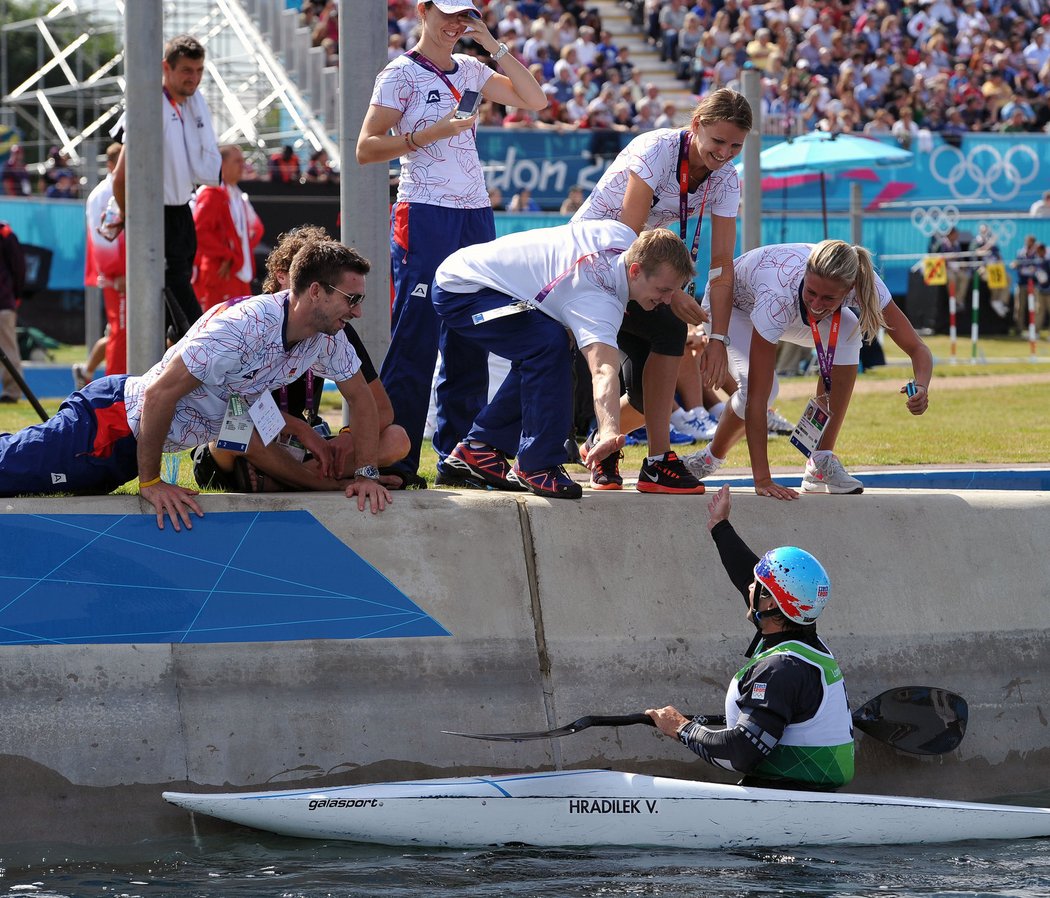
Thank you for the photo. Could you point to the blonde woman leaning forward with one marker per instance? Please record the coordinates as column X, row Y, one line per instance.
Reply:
column 803, row 293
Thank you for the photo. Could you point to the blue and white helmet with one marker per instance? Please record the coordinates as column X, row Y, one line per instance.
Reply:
column 797, row 582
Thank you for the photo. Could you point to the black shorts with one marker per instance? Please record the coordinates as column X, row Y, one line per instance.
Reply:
column 642, row 332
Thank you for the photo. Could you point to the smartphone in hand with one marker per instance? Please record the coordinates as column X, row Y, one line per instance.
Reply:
column 468, row 104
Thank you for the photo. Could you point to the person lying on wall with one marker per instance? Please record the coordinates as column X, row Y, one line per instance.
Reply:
column 214, row 383
column 788, row 722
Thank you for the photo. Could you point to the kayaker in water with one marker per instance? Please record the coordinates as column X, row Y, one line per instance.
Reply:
column 788, row 722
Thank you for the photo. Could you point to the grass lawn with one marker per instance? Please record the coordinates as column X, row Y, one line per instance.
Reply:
column 979, row 413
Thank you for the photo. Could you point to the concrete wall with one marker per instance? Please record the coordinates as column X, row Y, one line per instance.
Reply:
column 557, row 609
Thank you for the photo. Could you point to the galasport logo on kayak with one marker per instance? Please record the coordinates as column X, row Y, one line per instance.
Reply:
column 316, row 803
column 612, row 806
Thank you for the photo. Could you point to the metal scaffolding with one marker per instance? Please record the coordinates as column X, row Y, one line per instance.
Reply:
column 260, row 96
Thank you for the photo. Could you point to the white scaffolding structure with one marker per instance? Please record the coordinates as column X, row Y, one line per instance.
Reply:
column 265, row 85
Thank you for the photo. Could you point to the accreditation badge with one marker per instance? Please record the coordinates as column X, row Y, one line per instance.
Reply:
column 237, row 426
column 810, row 428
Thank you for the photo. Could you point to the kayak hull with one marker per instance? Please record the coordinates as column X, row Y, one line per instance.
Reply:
column 603, row 807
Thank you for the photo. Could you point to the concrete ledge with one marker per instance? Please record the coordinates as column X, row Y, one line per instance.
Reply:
column 556, row 609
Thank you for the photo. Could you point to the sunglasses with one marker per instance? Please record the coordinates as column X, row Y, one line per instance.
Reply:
column 353, row 300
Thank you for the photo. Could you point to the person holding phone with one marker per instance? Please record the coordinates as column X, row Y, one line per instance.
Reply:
column 419, row 114
column 803, row 293
column 661, row 179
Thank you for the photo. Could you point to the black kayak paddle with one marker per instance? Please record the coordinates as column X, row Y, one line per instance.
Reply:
column 919, row 720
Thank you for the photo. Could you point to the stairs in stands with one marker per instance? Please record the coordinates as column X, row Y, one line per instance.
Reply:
column 303, row 63
column 616, row 19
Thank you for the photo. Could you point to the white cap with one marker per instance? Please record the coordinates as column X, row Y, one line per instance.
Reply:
column 451, row 7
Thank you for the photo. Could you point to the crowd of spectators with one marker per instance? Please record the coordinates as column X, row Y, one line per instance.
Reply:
column 900, row 67
column 590, row 81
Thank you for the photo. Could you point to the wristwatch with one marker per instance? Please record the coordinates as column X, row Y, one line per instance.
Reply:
column 369, row 471
column 721, row 338
column 501, row 52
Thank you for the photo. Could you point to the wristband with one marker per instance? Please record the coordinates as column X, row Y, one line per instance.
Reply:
column 144, row 483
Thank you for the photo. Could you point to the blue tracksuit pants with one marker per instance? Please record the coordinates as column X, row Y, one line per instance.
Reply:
column 531, row 413
column 421, row 238
column 85, row 448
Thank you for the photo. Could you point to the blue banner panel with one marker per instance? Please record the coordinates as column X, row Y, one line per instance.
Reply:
column 236, row 577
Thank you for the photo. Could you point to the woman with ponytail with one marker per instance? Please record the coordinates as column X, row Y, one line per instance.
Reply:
column 826, row 296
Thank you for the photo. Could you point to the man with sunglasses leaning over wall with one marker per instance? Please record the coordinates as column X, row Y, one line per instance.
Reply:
column 788, row 722
column 215, row 382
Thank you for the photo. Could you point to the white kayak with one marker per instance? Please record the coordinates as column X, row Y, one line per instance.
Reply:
column 604, row 807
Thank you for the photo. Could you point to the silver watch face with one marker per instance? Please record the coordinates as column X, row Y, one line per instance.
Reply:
column 369, row 471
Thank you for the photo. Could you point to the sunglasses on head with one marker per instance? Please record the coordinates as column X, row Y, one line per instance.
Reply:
column 353, row 300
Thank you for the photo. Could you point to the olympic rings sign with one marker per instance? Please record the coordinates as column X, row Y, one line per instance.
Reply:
column 936, row 219
column 984, row 171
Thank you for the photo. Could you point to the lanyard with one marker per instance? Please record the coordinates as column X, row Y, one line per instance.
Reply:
column 419, row 59
column 826, row 359
column 685, row 139
column 545, row 292
column 174, row 105
column 309, row 396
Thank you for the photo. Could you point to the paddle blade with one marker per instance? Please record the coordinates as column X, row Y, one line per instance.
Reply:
column 920, row 720
column 593, row 720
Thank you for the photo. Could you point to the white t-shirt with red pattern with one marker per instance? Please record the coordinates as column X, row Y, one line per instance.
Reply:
column 653, row 156
column 574, row 273
column 446, row 172
column 238, row 347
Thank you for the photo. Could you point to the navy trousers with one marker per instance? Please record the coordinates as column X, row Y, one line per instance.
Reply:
column 421, row 238
column 531, row 413
column 87, row 448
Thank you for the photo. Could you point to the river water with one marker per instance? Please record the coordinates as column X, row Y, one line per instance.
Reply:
column 249, row 864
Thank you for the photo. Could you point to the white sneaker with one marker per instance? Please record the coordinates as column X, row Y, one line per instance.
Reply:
column 777, row 424
column 700, row 464
column 697, row 423
column 81, row 377
column 828, row 476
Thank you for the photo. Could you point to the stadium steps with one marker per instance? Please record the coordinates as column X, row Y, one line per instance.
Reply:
column 616, row 19
column 303, row 64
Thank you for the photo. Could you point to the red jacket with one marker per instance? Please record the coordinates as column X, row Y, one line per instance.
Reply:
column 12, row 268
column 218, row 242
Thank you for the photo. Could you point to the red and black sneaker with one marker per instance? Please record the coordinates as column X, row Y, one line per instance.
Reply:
column 667, row 474
column 551, row 483
column 485, row 465
column 606, row 474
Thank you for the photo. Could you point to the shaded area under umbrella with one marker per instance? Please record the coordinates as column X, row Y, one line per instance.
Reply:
column 819, row 152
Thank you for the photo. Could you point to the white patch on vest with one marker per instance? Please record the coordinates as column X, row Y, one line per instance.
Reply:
column 421, row 290
column 758, row 691
column 58, row 478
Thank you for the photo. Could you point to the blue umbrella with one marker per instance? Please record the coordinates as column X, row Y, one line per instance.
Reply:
column 829, row 150
column 824, row 151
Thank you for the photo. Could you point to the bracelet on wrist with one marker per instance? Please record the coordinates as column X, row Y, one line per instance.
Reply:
column 145, row 483
column 501, row 50
column 408, row 142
